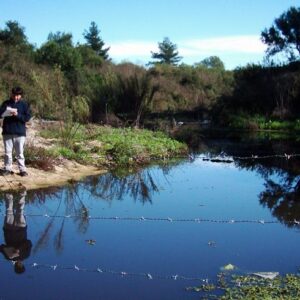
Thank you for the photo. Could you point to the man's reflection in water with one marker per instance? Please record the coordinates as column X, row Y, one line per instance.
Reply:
column 17, row 247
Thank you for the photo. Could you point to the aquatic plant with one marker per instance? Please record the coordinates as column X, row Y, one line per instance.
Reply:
column 251, row 287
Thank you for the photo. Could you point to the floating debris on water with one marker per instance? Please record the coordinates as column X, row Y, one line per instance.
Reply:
column 212, row 243
column 228, row 267
column 266, row 275
column 91, row 242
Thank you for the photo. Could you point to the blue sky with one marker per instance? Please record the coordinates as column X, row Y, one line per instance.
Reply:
column 229, row 29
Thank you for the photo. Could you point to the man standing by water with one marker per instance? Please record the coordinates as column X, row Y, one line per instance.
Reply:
column 16, row 113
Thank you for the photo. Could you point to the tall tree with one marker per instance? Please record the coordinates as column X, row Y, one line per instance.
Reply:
column 167, row 54
column 13, row 35
column 59, row 50
column 284, row 34
column 94, row 41
column 61, row 38
column 212, row 62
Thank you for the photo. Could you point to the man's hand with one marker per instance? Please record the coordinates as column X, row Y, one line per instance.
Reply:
column 14, row 113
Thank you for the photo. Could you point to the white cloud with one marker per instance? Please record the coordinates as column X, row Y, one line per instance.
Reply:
column 232, row 44
column 132, row 48
column 233, row 50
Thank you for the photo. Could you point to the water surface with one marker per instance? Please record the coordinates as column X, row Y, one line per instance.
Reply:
column 146, row 228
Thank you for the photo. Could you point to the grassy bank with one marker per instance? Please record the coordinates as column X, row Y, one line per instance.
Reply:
column 104, row 146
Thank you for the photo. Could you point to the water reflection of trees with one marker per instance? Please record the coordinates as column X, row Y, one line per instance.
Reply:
column 281, row 175
column 283, row 200
column 282, row 186
column 69, row 204
column 139, row 185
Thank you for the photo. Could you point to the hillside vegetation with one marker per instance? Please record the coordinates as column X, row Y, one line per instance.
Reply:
column 80, row 83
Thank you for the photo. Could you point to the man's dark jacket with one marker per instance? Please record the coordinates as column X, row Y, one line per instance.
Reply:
column 16, row 237
column 15, row 124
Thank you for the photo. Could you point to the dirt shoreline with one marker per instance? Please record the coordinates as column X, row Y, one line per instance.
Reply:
column 63, row 173
column 37, row 179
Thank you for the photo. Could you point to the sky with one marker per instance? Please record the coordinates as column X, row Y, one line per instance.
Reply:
column 229, row 29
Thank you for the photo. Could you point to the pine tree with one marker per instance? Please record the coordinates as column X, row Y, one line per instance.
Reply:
column 167, row 54
column 94, row 41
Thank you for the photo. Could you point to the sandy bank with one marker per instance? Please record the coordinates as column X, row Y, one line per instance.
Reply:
column 65, row 172
column 70, row 171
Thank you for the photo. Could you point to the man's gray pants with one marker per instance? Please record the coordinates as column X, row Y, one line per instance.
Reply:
column 16, row 142
column 15, row 211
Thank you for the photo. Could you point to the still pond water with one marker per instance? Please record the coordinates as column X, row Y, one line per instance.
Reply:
column 143, row 235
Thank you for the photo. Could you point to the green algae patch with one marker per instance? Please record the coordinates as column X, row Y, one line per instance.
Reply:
column 228, row 267
column 255, row 287
column 251, row 287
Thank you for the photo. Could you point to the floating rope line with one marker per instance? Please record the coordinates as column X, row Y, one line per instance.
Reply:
column 286, row 156
column 229, row 159
column 119, row 273
column 168, row 219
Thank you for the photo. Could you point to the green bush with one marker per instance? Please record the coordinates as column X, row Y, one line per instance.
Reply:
column 40, row 158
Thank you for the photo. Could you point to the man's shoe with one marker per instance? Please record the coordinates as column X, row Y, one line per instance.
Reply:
column 23, row 173
column 6, row 172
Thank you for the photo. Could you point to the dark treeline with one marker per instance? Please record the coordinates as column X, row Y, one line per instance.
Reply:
column 80, row 81
column 272, row 92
